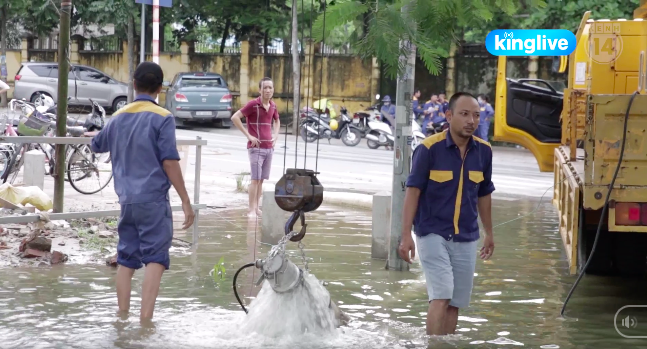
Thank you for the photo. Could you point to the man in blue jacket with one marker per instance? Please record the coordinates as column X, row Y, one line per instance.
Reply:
column 141, row 140
column 415, row 105
column 487, row 112
column 388, row 111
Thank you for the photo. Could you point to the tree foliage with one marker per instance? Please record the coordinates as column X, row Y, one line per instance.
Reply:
column 428, row 24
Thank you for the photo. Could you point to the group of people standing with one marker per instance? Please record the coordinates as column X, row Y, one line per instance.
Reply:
column 434, row 111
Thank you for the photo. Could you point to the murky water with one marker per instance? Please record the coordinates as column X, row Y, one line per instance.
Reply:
column 516, row 300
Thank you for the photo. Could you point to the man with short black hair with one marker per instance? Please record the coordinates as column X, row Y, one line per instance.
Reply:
column 449, row 187
column 262, row 131
column 145, row 162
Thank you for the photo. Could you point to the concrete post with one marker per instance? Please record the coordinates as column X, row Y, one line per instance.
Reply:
column 74, row 52
column 273, row 220
column 450, row 84
column 24, row 50
column 244, row 72
column 185, row 55
column 381, row 231
column 375, row 79
column 34, row 171
column 533, row 65
column 402, row 152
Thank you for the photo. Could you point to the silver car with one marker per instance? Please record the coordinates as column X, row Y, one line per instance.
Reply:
column 84, row 83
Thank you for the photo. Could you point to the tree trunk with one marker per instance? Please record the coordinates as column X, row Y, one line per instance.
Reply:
column 131, row 56
column 3, row 55
column 296, row 71
column 225, row 36
column 266, row 41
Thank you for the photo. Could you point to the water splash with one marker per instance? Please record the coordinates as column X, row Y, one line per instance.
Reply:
column 306, row 309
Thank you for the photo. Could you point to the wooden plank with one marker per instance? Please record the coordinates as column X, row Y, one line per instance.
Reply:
column 31, row 218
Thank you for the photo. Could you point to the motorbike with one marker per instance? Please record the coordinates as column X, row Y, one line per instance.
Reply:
column 363, row 117
column 315, row 126
column 436, row 127
column 381, row 135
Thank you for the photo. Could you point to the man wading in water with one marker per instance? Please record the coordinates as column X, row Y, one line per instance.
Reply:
column 261, row 135
column 141, row 140
column 450, row 185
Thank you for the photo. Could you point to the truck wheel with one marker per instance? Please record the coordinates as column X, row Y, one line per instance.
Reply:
column 630, row 253
column 602, row 262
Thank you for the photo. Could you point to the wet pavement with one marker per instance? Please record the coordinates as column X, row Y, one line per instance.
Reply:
column 516, row 299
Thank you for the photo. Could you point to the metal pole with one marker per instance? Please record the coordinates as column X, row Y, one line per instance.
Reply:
column 196, row 191
column 3, row 55
column 142, row 41
column 61, row 120
column 401, row 153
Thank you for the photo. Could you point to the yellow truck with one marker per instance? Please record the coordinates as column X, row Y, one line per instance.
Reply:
column 579, row 133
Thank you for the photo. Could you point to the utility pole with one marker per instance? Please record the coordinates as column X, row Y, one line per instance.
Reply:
column 402, row 151
column 3, row 55
column 61, row 118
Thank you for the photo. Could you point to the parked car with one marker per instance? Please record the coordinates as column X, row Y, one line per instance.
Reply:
column 84, row 83
column 199, row 97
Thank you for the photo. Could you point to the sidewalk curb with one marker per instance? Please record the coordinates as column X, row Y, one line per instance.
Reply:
column 344, row 199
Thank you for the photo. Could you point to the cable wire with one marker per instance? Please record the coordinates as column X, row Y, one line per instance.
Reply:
column 606, row 204
column 323, row 44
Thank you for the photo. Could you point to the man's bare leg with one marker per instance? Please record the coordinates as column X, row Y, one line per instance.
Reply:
column 259, row 192
column 253, row 197
column 436, row 317
column 451, row 319
column 150, row 289
column 124, row 278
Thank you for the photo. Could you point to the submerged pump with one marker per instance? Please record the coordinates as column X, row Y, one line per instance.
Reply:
column 282, row 275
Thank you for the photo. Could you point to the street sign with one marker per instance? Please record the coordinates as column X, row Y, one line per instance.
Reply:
column 163, row 3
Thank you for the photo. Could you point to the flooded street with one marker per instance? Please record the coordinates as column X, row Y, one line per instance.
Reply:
column 516, row 300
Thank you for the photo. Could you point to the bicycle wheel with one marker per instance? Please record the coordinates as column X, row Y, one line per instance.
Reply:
column 87, row 172
column 13, row 168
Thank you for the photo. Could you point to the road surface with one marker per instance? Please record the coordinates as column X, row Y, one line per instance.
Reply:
column 351, row 169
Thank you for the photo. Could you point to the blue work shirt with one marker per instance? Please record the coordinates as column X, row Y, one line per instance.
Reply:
column 444, row 106
column 450, row 186
column 435, row 114
column 486, row 113
column 139, row 137
column 390, row 110
column 417, row 108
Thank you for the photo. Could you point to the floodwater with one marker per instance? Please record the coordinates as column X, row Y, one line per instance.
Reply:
column 516, row 299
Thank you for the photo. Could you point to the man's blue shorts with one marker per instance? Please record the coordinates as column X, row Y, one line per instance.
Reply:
column 145, row 234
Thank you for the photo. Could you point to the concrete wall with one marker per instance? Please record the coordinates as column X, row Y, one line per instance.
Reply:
column 346, row 78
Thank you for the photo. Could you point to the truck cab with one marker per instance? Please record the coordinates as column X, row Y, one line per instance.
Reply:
column 578, row 134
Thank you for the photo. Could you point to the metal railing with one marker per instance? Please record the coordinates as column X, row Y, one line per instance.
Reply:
column 29, row 218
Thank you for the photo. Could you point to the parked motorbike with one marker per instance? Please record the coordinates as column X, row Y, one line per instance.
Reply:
column 417, row 135
column 315, row 126
column 363, row 117
column 380, row 135
column 436, row 127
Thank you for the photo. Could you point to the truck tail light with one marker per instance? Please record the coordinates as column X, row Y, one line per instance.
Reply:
column 630, row 213
column 180, row 98
column 226, row 98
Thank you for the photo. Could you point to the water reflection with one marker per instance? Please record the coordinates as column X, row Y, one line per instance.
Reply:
column 516, row 300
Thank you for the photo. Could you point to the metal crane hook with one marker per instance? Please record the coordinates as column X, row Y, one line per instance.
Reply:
column 289, row 225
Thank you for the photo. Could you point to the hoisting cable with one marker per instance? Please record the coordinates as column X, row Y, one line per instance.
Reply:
column 235, row 288
column 321, row 49
column 310, row 62
column 298, row 129
column 606, row 203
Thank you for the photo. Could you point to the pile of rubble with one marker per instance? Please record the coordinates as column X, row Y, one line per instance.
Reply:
column 55, row 242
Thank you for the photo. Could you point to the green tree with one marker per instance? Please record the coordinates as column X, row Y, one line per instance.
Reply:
column 431, row 25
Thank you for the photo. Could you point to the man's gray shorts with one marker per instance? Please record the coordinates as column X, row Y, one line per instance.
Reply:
column 260, row 162
column 449, row 268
